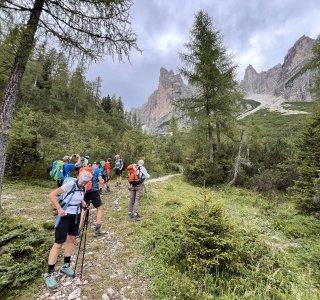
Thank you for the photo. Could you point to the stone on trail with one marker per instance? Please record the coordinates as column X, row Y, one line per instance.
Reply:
column 75, row 294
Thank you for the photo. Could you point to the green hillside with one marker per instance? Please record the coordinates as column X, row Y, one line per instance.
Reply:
column 273, row 124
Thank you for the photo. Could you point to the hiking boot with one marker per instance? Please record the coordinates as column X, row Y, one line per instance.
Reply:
column 66, row 269
column 97, row 231
column 137, row 217
column 130, row 215
column 50, row 281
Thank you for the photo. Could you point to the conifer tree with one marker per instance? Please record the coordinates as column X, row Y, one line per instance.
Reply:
column 308, row 184
column 209, row 67
column 88, row 29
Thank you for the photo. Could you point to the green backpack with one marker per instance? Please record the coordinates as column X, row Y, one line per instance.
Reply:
column 56, row 172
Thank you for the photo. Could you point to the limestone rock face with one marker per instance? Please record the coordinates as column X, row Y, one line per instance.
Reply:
column 155, row 115
column 291, row 80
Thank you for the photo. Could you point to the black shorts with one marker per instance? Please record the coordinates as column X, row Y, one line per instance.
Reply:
column 67, row 226
column 104, row 177
column 94, row 197
column 118, row 172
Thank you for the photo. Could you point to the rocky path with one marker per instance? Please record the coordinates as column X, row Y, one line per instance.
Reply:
column 109, row 259
column 270, row 102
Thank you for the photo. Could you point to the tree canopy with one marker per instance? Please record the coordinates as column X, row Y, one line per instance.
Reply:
column 210, row 68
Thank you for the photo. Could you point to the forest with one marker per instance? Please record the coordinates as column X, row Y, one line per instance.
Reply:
column 265, row 166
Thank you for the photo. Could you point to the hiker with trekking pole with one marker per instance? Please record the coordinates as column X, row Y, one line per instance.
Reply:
column 67, row 224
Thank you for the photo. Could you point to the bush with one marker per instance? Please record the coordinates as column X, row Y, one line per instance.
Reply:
column 208, row 242
column 23, row 255
column 207, row 173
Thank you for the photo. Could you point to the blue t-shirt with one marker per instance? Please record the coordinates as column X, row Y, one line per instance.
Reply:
column 95, row 179
column 118, row 163
column 67, row 169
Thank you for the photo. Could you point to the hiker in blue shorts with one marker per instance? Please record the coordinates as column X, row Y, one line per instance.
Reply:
column 67, row 224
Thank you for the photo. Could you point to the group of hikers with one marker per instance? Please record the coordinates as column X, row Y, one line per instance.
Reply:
column 74, row 195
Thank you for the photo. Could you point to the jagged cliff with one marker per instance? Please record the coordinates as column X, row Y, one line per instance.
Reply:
column 156, row 113
column 291, row 80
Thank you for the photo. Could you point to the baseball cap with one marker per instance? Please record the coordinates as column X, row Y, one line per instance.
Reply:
column 65, row 158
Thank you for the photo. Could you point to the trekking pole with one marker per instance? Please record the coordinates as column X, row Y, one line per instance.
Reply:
column 85, row 240
column 84, row 228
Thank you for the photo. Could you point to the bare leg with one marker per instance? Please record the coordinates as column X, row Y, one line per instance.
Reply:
column 54, row 252
column 69, row 245
column 99, row 214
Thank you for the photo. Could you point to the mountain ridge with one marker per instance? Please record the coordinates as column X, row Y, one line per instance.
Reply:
column 290, row 81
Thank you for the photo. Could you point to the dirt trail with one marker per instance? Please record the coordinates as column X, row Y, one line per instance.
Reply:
column 109, row 259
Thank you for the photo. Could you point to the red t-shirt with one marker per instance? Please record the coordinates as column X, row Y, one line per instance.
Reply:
column 107, row 167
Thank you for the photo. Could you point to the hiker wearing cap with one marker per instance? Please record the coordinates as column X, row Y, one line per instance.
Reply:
column 68, row 166
column 136, row 190
column 67, row 227
column 93, row 195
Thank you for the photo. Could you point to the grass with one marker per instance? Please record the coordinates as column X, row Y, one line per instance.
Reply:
column 276, row 125
column 288, row 262
column 127, row 261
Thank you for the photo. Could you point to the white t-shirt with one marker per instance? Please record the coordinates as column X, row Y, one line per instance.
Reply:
column 77, row 197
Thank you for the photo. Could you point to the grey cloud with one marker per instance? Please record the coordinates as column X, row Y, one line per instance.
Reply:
column 255, row 30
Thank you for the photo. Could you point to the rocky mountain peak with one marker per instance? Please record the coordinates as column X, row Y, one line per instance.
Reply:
column 159, row 107
column 290, row 80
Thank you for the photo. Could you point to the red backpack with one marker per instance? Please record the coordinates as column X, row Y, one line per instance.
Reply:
column 89, row 184
column 134, row 174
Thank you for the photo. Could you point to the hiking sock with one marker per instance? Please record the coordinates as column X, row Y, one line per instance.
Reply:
column 67, row 259
column 51, row 269
column 98, row 226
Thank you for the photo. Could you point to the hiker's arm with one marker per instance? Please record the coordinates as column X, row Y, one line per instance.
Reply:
column 144, row 172
column 78, row 163
column 101, row 181
column 53, row 198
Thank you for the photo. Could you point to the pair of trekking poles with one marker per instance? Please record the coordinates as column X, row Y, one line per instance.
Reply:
column 83, row 240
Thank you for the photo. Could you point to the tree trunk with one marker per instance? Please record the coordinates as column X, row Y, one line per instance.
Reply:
column 237, row 163
column 218, row 136
column 12, row 86
column 210, row 130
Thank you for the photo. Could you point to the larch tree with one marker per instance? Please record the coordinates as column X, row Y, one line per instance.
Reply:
column 307, row 186
column 210, row 68
column 84, row 29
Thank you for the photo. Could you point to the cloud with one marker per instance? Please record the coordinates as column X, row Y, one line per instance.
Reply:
column 257, row 32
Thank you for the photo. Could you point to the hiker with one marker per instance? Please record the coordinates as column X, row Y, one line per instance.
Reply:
column 94, row 196
column 67, row 227
column 118, row 168
column 68, row 166
column 136, row 188
column 107, row 167
column 104, row 177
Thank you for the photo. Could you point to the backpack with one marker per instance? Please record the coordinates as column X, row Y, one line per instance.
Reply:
column 63, row 196
column 56, row 172
column 134, row 174
column 89, row 184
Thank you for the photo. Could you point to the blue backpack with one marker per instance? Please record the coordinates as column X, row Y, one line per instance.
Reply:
column 56, row 172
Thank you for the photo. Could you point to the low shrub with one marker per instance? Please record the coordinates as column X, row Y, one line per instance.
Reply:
column 23, row 255
column 206, row 173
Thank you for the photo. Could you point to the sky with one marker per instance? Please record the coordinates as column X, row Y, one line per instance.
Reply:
column 258, row 32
